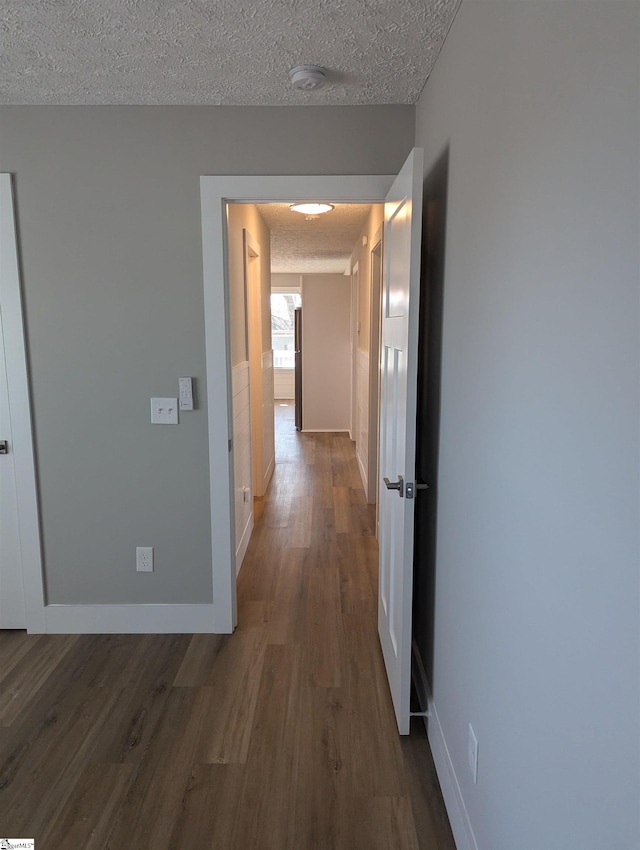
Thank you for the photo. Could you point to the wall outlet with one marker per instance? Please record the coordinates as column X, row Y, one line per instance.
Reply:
column 144, row 559
column 473, row 754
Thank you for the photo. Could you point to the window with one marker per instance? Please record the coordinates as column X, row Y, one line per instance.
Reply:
column 283, row 305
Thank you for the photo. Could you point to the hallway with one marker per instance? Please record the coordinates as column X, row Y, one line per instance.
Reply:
column 279, row 737
column 325, row 765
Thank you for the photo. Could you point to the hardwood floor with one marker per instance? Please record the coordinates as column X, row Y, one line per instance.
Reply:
column 280, row 736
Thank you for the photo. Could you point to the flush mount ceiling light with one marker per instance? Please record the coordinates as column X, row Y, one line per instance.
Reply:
column 311, row 209
column 308, row 77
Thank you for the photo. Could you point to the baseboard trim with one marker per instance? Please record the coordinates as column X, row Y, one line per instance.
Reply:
column 128, row 619
column 456, row 809
column 325, row 431
column 453, row 800
column 241, row 551
column 363, row 472
column 267, row 476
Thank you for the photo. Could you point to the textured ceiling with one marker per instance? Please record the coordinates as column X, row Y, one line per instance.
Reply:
column 324, row 244
column 217, row 51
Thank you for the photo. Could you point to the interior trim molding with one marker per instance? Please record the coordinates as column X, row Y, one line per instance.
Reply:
column 268, row 473
column 244, row 543
column 326, row 431
column 129, row 619
column 456, row 809
column 453, row 800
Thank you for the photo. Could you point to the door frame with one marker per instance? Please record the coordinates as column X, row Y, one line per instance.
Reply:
column 215, row 193
column 253, row 336
column 376, row 262
column 355, row 283
column 20, row 412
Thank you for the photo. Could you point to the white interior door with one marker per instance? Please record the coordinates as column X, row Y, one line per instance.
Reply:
column 12, row 610
column 399, row 350
column 21, row 586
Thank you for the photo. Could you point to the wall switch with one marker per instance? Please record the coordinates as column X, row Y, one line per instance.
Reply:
column 164, row 411
column 473, row 754
column 185, row 391
column 144, row 559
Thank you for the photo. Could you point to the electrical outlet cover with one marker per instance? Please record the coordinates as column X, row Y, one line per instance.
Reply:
column 144, row 559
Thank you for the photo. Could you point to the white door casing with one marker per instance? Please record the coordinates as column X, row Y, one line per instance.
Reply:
column 20, row 527
column 398, row 396
column 355, row 274
column 215, row 193
column 375, row 265
column 253, row 331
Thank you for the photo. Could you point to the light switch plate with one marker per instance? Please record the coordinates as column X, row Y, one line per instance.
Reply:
column 164, row 411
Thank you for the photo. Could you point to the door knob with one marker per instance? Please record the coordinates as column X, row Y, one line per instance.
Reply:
column 395, row 485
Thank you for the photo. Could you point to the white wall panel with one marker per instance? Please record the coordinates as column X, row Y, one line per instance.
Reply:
column 284, row 383
column 326, row 358
column 536, row 588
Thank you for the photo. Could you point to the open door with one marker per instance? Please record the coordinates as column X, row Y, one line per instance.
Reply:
column 21, row 588
column 398, row 395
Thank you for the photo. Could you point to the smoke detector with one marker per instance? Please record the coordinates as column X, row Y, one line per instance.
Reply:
column 308, row 77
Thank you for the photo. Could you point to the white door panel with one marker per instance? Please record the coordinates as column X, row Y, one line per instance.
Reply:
column 21, row 590
column 400, row 302
column 12, row 610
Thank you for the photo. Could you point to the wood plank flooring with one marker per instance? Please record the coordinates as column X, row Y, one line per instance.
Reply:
column 279, row 737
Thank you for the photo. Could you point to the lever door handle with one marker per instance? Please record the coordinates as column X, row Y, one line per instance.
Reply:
column 412, row 487
column 4, row 447
column 395, row 485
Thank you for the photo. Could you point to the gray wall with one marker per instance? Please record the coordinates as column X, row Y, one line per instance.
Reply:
column 109, row 225
column 537, row 621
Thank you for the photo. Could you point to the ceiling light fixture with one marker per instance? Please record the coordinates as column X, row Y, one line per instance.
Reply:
column 311, row 209
column 308, row 77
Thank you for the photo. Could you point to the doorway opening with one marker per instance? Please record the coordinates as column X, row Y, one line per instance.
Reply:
column 304, row 332
column 218, row 194
column 402, row 197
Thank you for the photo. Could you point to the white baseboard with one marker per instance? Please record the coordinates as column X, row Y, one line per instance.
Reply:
column 363, row 473
column 241, row 551
column 456, row 809
column 268, row 473
column 325, row 431
column 453, row 801
column 128, row 619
